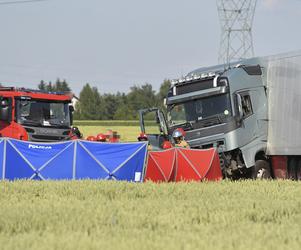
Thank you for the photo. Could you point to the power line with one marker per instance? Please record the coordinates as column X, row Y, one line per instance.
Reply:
column 20, row 2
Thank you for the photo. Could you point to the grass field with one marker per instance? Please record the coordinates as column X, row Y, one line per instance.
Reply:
column 112, row 123
column 111, row 215
column 127, row 133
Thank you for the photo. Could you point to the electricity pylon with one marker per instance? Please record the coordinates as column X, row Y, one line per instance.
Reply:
column 236, row 19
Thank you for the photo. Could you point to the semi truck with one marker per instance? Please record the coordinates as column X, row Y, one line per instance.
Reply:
column 249, row 110
column 34, row 115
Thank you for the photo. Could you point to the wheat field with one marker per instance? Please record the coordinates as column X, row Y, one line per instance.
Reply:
column 119, row 215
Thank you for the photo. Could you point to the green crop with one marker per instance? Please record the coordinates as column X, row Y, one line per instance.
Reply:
column 119, row 215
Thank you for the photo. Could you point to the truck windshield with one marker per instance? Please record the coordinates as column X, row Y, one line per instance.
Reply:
column 43, row 113
column 200, row 109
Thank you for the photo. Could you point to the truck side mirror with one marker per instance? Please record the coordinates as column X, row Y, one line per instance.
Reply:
column 5, row 110
column 239, row 106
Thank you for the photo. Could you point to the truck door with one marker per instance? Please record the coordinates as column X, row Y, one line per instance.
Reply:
column 253, row 115
column 157, row 132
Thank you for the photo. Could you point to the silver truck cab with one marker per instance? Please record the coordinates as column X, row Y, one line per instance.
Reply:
column 220, row 107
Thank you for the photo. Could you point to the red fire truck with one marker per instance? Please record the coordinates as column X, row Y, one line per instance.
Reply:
column 34, row 115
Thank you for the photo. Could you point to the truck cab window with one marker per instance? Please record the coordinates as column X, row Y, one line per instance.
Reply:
column 177, row 115
column 246, row 105
column 198, row 110
column 43, row 113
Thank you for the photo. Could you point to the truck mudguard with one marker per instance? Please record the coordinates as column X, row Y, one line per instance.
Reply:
column 250, row 150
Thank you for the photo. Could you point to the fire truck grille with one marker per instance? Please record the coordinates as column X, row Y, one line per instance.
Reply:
column 47, row 138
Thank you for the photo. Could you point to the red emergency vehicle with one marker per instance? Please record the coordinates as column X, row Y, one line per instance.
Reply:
column 35, row 115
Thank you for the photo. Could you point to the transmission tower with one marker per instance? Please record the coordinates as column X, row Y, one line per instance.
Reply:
column 236, row 19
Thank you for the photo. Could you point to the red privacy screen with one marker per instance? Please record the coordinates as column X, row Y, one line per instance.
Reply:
column 179, row 164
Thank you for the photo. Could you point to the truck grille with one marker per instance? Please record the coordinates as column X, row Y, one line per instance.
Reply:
column 47, row 138
column 42, row 134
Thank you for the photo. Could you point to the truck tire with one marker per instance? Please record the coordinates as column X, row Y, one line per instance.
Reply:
column 261, row 170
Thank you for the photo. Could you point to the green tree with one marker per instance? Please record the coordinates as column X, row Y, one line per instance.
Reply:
column 59, row 86
column 110, row 105
column 65, row 86
column 123, row 111
column 42, row 85
column 141, row 97
column 89, row 103
column 119, row 106
column 49, row 87
column 164, row 88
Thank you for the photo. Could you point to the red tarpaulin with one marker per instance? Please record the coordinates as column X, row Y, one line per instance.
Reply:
column 160, row 165
column 179, row 164
column 197, row 165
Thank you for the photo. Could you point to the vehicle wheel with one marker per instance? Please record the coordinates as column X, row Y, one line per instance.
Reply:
column 261, row 170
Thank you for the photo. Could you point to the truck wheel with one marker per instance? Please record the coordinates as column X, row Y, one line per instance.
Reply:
column 261, row 170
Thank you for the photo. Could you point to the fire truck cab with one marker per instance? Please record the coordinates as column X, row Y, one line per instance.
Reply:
column 35, row 115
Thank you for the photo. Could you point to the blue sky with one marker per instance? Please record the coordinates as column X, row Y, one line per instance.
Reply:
column 115, row 44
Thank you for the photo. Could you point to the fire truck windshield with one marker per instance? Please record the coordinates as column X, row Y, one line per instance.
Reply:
column 42, row 113
column 200, row 109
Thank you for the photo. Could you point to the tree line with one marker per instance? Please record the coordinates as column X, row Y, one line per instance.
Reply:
column 58, row 86
column 93, row 105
